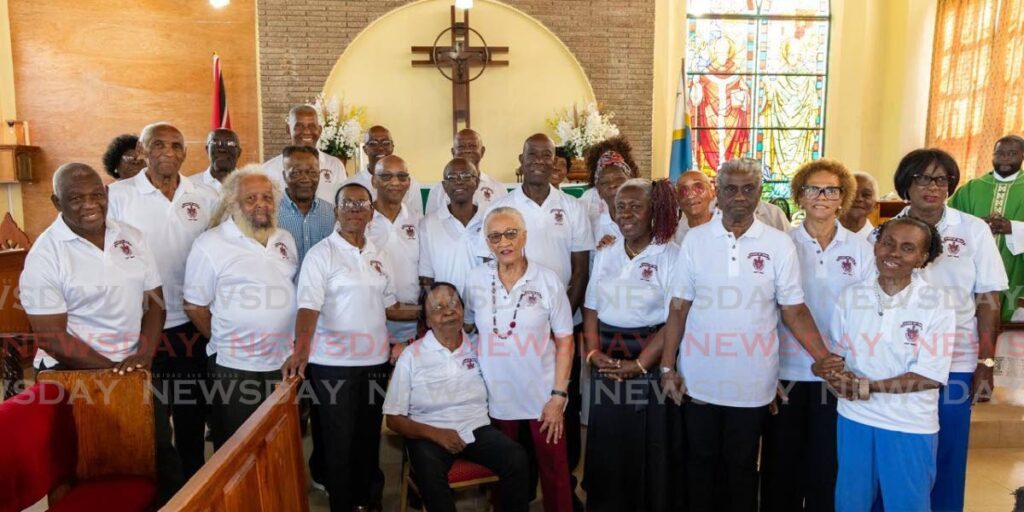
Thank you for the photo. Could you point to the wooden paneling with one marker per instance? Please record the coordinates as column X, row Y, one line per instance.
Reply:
column 260, row 468
column 114, row 419
column 88, row 70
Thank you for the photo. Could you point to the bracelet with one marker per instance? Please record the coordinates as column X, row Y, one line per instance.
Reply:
column 641, row 366
column 558, row 392
column 591, row 354
column 863, row 389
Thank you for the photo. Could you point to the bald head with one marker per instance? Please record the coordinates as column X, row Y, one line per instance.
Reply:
column 377, row 144
column 691, row 176
column 469, row 145
column 390, row 163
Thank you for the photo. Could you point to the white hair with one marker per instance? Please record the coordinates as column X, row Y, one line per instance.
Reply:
column 229, row 192
column 64, row 173
column 147, row 132
column 505, row 210
column 302, row 109
column 738, row 166
column 869, row 178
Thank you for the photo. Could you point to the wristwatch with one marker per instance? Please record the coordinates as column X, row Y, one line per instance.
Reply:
column 988, row 362
column 666, row 369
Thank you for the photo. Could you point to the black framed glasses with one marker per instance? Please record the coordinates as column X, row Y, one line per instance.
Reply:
column 461, row 176
column 814, row 191
column 923, row 180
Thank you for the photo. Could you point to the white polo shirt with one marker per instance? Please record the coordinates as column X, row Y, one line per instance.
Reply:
column 519, row 371
column 332, row 174
column 632, row 293
column 604, row 225
column 865, row 232
column 969, row 264
column 401, row 241
column 168, row 226
column 557, row 228
column 250, row 293
column 439, row 387
column 206, row 178
column 906, row 338
column 824, row 273
column 101, row 291
column 488, row 191
column 350, row 288
column 729, row 353
column 449, row 249
column 592, row 203
column 413, row 199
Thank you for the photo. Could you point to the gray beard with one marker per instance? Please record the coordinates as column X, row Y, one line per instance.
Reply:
column 260, row 234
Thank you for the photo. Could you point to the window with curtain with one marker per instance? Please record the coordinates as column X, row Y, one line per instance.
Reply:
column 756, row 72
column 977, row 82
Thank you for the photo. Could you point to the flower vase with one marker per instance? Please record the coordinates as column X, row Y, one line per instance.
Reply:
column 578, row 170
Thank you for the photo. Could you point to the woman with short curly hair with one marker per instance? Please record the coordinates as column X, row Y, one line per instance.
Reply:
column 121, row 160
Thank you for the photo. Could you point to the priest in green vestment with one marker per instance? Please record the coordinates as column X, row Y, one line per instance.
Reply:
column 998, row 198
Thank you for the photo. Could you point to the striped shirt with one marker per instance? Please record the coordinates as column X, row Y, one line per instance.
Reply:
column 307, row 229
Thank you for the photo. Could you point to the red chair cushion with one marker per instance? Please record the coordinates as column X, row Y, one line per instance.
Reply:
column 464, row 471
column 112, row 494
column 38, row 444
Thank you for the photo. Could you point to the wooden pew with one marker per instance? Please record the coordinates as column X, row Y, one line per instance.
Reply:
column 260, row 468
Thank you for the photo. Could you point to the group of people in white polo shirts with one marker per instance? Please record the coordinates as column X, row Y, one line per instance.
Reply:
column 726, row 363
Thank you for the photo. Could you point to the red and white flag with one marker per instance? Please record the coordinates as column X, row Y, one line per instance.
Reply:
column 220, row 118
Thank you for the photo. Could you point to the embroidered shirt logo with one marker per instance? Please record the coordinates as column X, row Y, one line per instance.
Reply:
column 126, row 248
column 410, row 231
column 847, row 263
column 487, row 192
column 912, row 332
column 191, row 210
column 469, row 363
column 282, row 248
column 532, row 298
column 647, row 271
column 559, row 215
column 954, row 245
column 758, row 259
column 378, row 266
column 325, row 174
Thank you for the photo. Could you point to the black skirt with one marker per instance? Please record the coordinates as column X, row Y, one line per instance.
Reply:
column 634, row 436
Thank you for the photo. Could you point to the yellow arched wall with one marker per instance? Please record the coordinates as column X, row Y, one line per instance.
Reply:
column 507, row 104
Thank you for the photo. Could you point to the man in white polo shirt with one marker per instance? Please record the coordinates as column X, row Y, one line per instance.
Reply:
column 239, row 290
column 563, row 246
column 734, row 277
column 377, row 144
column 92, row 293
column 223, row 149
column 171, row 211
column 451, row 243
column 468, row 144
column 304, row 129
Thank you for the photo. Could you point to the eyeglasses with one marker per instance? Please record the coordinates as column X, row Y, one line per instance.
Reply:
column 309, row 173
column 696, row 189
column 461, row 176
column 348, row 205
column 452, row 304
column 509, row 234
column 814, row 192
column 378, row 143
column 222, row 144
column 387, row 176
column 732, row 190
column 923, row 180
column 130, row 157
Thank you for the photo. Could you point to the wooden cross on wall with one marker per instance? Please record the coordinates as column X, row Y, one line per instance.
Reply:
column 461, row 56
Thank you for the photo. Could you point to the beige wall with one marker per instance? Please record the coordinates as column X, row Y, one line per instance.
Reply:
column 879, row 69
column 10, row 194
column 86, row 71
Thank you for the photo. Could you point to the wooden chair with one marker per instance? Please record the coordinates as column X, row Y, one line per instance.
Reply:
column 82, row 439
column 260, row 468
column 462, row 475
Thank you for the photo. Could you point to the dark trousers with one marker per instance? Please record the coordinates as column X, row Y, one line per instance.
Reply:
column 169, row 478
column 236, row 396
column 491, row 449
column 798, row 454
column 722, row 442
column 179, row 367
column 349, row 401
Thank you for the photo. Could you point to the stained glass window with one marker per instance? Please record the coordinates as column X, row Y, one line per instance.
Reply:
column 756, row 75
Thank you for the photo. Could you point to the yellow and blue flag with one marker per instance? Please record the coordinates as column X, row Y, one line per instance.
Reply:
column 682, row 139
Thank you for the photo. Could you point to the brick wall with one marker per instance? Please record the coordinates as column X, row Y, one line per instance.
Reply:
column 300, row 41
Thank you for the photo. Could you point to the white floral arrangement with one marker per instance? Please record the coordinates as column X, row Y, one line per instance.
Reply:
column 577, row 130
column 342, row 127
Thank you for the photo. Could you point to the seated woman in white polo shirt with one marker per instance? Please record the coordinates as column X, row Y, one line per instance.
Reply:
column 345, row 294
column 516, row 305
column 437, row 399
column 893, row 331
column 629, row 440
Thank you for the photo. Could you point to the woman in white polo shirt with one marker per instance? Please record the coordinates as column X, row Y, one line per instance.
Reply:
column 516, row 305
column 971, row 271
column 345, row 295
column 892, row 331
column 628, row 464
column 798, row 453
column 437, row 400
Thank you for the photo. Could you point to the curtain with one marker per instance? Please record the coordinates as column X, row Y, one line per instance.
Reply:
column 977, row 82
